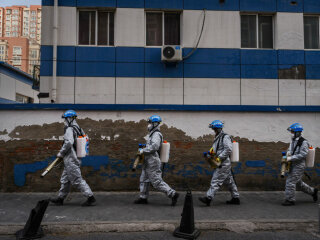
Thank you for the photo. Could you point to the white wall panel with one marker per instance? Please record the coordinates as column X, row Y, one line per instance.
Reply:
column 292, row 92
column 47, row 25
column 312, row 91
column 99, row 90
column 259, row 91
column 45, row 84
column 221, row 29
column 67, row 32
column 130, row 27
column 289, row 31
column 164, row 91
column 212, row 91
column 23, row 88
column 7, row 87
column 129, row 90
column 65, row 89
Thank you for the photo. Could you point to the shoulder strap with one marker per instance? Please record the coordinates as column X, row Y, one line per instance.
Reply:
column 299, row 143
column 221, row 138
column 160, row 142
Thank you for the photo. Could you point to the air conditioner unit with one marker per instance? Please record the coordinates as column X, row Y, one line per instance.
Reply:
column 171, row 53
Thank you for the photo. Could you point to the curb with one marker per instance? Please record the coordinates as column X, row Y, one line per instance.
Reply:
column 238, row 226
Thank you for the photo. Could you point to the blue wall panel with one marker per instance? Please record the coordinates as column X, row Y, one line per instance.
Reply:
column 96, row 3
column 313, row 71
column 130, row 3
column 211, row 71
column 46, row 60
column 95, row 69
column 66, row 69
column 291, row 57
column 165, row 4
column 46, row 68
column 228, row 5
column 259, row 57
column 213, row 55
column 312, row 57
column 162, row 70
column 312, row 6
column 258, row 5
column 287, row 6
column 66, row 53
column 46, row 53
column 259, row 71
column 153, row 55
column 95, row 54
column 65, row 3
column 129, row 54
column 130, row 70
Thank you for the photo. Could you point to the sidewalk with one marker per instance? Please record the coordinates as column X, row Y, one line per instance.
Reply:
column 259, row 211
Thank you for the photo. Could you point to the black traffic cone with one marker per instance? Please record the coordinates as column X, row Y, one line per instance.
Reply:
column 187, row 229
column 32, row 229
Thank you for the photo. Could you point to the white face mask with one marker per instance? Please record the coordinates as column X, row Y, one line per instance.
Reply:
column 213, row 133
column 292, row 135
column 150, row 126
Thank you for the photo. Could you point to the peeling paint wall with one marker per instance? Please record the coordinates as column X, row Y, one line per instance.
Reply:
column 29, row 140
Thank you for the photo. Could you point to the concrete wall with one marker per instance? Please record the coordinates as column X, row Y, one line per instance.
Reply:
column 29, row 140
column 219, row 72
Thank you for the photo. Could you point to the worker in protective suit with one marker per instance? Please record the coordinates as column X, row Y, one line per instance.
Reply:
column 222, row 146
column 71, row 173
column 151, row 169
column 296, row 155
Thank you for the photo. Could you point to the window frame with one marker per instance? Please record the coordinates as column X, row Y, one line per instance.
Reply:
column 257, row 29
column 311, row 49
column 96, row 26
column 163, row 26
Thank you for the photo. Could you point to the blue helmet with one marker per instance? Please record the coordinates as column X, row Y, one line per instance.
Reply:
column 154, row 118
column 216, row 124
column 296, row 127
column 69, row 114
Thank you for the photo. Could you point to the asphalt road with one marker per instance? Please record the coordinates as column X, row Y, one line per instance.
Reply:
column 209, row 235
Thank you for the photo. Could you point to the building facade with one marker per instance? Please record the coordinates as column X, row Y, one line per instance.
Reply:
column 251, row 52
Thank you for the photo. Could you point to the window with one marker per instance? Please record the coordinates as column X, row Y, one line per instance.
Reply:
column 311, row 32
column 162, row 27
column 9, row 11
column 15, row 17
column 16, row 60
column 14, row 23
column 33, row 24
column 33, row 30
column 23, row 99
column 33, row 54
column 256, row 31
column 7, row 34
column 14, row 34
column 32, row 35
column 8, row 17
column 2, row 50
column 15, row 11
column 17, row 50
column 96, row 28
column 33, row 18
column 8, row 28
column 33, row 13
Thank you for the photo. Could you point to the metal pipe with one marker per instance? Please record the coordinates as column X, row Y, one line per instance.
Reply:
column 54, row 60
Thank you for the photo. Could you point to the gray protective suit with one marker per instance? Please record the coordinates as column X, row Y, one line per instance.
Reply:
column 151, row 169
column 298, row 165
column 71, row 174
column 223, row 173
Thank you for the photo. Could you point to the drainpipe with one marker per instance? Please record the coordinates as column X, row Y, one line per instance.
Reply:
column 55, row 43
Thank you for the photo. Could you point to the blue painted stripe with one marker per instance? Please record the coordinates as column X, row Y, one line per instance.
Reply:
column 66, row 69
column 213, row 56
column 130, row 3
column 96, row 3
column 312, row 57
column 46, row 52
column 153, row 55
column 313, row 71
column 156, row 107
column 257, row 163
column 162, row 70
column 130, row 54
column 66, row 53
column 95, row 54
column 211, row 71
column 164, row 4
column 259, row 57
column 6, row 101
column 130, row 70
column 312, row 6
column 291, row 57
column 228, row 5
column 46, row 68
column 287, row 6
column 258, row 5
column 259, row 71
column 95, row 69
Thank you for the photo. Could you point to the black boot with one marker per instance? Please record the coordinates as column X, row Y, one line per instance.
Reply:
column 57, row 201
column 205, row 200
column 174, row 199
column 141, row 201
column 90, row 202
column 315, row 195
column 287, row 203
column 235, row 201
